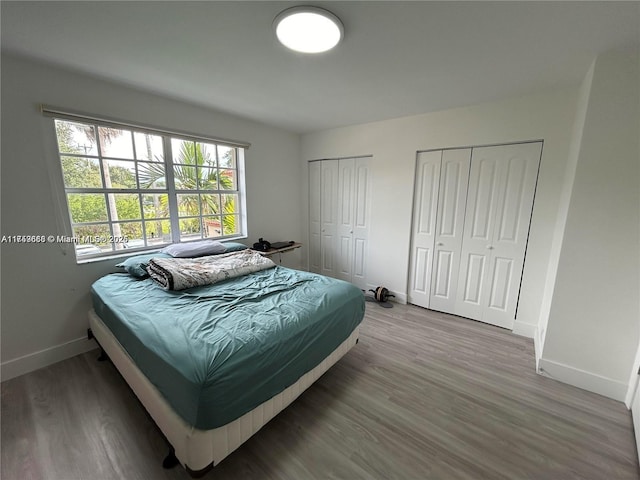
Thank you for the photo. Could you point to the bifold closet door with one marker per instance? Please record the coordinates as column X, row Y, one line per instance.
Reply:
column 452, row 194
column 499, row 203
column 346, row 201
column 339, row 217
column 425, row 205
column 329, row 217
column 315, row 219
column 439, row 203
column 353, row 220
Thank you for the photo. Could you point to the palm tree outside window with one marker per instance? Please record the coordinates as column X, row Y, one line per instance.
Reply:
column 137, row 190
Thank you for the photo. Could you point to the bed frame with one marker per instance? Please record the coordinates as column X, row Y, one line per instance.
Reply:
column 200, row 450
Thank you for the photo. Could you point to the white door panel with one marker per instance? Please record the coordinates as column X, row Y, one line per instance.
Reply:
column 345, row 221
column 360, row 251
column 472, row 285
column 315, row 186
column 519, row 174
column 421, row 265
column 501, row 190
column 476, row 247
column 339, row 217
column 471, row 216
column 482, row 198
column 509, row 218
column 425, row 205
column 454, row 180
column 361, row 217
column 442, row 277
column 502, row 271
column 362, row 194
column 329, row 214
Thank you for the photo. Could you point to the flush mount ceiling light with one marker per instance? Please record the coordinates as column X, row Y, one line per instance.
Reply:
column 308, row 29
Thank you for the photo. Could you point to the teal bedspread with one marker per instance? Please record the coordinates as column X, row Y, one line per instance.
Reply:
column 218, row 351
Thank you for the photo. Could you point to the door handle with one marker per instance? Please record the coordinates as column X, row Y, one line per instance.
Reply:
column 439, row 244
column 490, row 247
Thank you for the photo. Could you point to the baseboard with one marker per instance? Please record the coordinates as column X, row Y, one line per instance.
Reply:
column 43, row 358
column 400, row 298
column 525, row 329
column 582, row 379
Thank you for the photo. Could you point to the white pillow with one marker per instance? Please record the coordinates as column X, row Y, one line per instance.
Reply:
column 194, row 249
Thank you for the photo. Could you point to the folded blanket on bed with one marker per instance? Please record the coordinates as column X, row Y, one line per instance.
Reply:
column 181, row 273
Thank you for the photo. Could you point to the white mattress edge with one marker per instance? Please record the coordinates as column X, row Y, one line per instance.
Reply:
column 194, row 448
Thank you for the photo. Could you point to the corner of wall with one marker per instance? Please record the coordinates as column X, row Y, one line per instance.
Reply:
column 609, row 91
column 563, row 209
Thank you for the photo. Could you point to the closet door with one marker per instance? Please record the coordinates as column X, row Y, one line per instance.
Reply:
column 353, row 219
column 329, row 217
column 361, row 220
column 346, row 202
column 499, row 204
column 454, row 179
column 339, row 218
column 315, row 220
column 425, row 204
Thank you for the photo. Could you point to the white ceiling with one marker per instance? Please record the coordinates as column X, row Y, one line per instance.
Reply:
column 397, row 59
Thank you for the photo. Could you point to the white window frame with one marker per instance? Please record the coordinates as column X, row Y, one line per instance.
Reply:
column 61, row 189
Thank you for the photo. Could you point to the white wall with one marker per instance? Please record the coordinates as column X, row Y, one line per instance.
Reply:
column 45, row 294
column 563, row 210
column 593, row 327
column 393, row 144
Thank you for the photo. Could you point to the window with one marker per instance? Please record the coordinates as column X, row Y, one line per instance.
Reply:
column 129, row 188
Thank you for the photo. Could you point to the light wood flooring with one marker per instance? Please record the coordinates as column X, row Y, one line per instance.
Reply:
column 422, row 396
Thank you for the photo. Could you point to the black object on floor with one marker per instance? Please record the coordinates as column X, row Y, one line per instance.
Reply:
column 380, row 296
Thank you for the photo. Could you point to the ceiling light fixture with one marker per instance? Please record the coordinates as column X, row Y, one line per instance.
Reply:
column 308, row 29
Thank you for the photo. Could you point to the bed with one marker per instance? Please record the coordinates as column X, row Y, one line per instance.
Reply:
column 214, row 363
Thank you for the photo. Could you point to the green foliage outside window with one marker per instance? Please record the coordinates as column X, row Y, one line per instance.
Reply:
column 201, row 174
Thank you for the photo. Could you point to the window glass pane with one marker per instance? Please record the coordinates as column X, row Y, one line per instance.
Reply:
column 148, row 147
column 93, row 239
column 189, row 229
column 185, row 178
column 87, row 207
column 230, row 203
column 133, row 233
column 226, row 157
column 230, row 224
column 188, row 205
column 119, row 174
column 152, row 175
column 77, row 138
column 80, row 172
column 207, row 154
column 207, row 178
column 182, row 151
column 158, row 232
column 115, row 142
column 210, row 204
column 228, row 180
column 155, row 206
column 127, row 206
column 213, row 226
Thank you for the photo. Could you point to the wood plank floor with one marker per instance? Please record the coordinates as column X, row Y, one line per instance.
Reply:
column 423, row 395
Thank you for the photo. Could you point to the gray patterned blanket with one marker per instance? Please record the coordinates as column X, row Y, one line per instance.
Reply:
column 181, row 273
